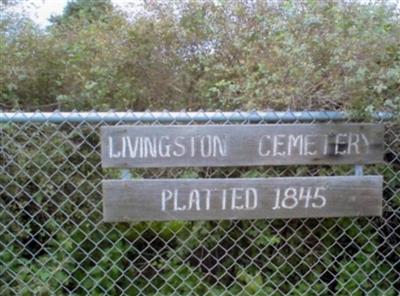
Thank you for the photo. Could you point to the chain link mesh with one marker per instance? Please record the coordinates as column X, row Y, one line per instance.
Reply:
column 53, row 240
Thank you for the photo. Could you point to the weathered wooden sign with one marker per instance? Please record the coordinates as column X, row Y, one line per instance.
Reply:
column 214, row 199
column 238, row 145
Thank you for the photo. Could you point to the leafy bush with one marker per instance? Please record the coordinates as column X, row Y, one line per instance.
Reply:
column 239, row 54
column 54, row 240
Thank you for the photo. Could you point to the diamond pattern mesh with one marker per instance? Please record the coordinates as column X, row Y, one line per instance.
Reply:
column 53, row 240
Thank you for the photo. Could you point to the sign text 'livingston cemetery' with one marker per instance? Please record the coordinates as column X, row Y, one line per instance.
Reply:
column 237, row 145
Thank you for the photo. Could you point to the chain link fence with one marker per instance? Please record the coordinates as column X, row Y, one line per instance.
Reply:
column 53, row 240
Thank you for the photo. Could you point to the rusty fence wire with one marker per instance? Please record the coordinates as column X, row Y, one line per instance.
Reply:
column 53, row 240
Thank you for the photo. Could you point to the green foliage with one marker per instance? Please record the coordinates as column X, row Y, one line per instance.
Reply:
column 361, row 273
column 208, row 54
column 84, row 10
column 54, row 240
column 205, row 54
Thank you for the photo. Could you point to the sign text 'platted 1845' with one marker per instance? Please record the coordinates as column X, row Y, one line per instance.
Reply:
column 214, row 199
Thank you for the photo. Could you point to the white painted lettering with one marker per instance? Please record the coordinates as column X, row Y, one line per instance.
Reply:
column 339, row 144
column 366, row 142
column 176, row 206
column 224, row 199
column 251, row 199
column 235, row 198
column 192, row 150
column 194, row 198
column 132, row 150
column 150, row 147
column 354, row 139
column 318, row 196
column 326, row 142
column 208, row 195
column 307, row 197
column 164, row 149
column 141, row 147
column 123, row 148
column 277, row 199
column 111, row 152
column 219, row 146
column 290, row 195
column 295, row 142
column 262, row 150
column 180, row 146
column 278, row 144
column 309, row 145
column 206, row 141
column 165, row 196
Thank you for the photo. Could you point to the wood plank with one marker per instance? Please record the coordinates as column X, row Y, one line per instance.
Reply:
column 241, row 145
column 216, row 199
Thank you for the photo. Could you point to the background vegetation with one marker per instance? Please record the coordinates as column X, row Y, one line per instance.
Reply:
column 335, row 55
column 189, row 54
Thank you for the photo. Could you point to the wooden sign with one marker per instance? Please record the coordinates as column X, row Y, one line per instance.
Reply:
column 241, row 145
column 215, row 199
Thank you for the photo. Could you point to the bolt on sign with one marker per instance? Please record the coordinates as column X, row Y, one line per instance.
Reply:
column 218, row 145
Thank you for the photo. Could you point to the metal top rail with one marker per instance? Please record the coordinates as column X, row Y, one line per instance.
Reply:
column 184, row 117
